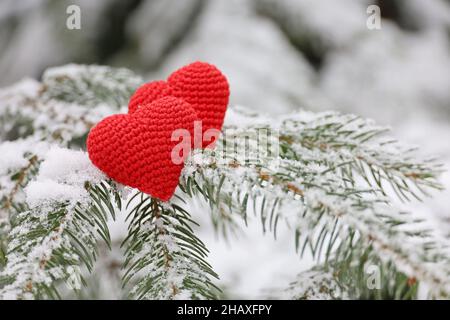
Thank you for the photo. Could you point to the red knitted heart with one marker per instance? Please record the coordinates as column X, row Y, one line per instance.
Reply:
column 136, row 149
column 148, row 93
column 199, row 83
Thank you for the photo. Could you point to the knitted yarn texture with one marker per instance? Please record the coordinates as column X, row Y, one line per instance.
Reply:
column 135, row 149
column 200, row 84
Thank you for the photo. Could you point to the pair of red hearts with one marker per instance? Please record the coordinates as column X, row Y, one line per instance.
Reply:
column 135, row 148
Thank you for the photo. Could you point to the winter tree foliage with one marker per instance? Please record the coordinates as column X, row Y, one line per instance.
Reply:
column 329, row 180
column 279, row 56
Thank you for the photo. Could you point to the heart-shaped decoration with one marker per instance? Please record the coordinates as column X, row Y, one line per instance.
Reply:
column 200, row 84
column 147, row 93
column 137, row 149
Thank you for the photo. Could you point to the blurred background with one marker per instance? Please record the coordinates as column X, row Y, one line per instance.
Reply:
column 279, row 56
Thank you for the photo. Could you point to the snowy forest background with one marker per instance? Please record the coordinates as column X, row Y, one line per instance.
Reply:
column 278, row 55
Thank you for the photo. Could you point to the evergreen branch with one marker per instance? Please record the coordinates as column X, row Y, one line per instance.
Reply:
column 4, row 230
column 10, row 205
column 16, row 122
column 21, row 160
column 89, row 85
column 369, row 277
column 20, row 179
column 68, row 102
column 164, row 258
column 330, row 213
column 58, row 235
column 315, row 284
column 366, row 277
column 351, row 146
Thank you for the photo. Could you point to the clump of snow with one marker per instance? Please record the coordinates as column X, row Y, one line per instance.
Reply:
column 69, row 166
column 13, row 154
column 61, row 180
column 68, row 70
column 26, row 87
column 48, row 191
column 62, row 177
column 241, row 116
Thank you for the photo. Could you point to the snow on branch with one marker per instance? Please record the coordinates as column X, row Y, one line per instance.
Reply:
column 318, row 186
column 90, row 85
column 354, row 145
column 316, row 284
column 69, row 206
column 364, row 278
column 69, row 101
column 18, row 165
column 63, row 177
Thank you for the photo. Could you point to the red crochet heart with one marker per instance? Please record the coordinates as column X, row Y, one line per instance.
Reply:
column 148, row 93
column 136, row 149
column 200, row 84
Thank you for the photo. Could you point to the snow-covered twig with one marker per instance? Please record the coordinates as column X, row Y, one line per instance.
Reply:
column 60, row 231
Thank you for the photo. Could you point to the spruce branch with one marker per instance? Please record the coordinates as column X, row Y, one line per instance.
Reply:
column 330, row 211
column 365, row 278
column 315, row 284
column 4, row 230
column 20, row 179
column 359, row 275
column 164, row 258
column 9, row 202
column 59, row 234
column 89, row 85
column 69, row 101
column 20, row 164
column 355, row 147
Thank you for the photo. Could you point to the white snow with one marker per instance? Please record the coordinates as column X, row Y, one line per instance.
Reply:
column 62, row 176
column 26, row 87
column 70, row 167
column 14, row 157
column 48, row 191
